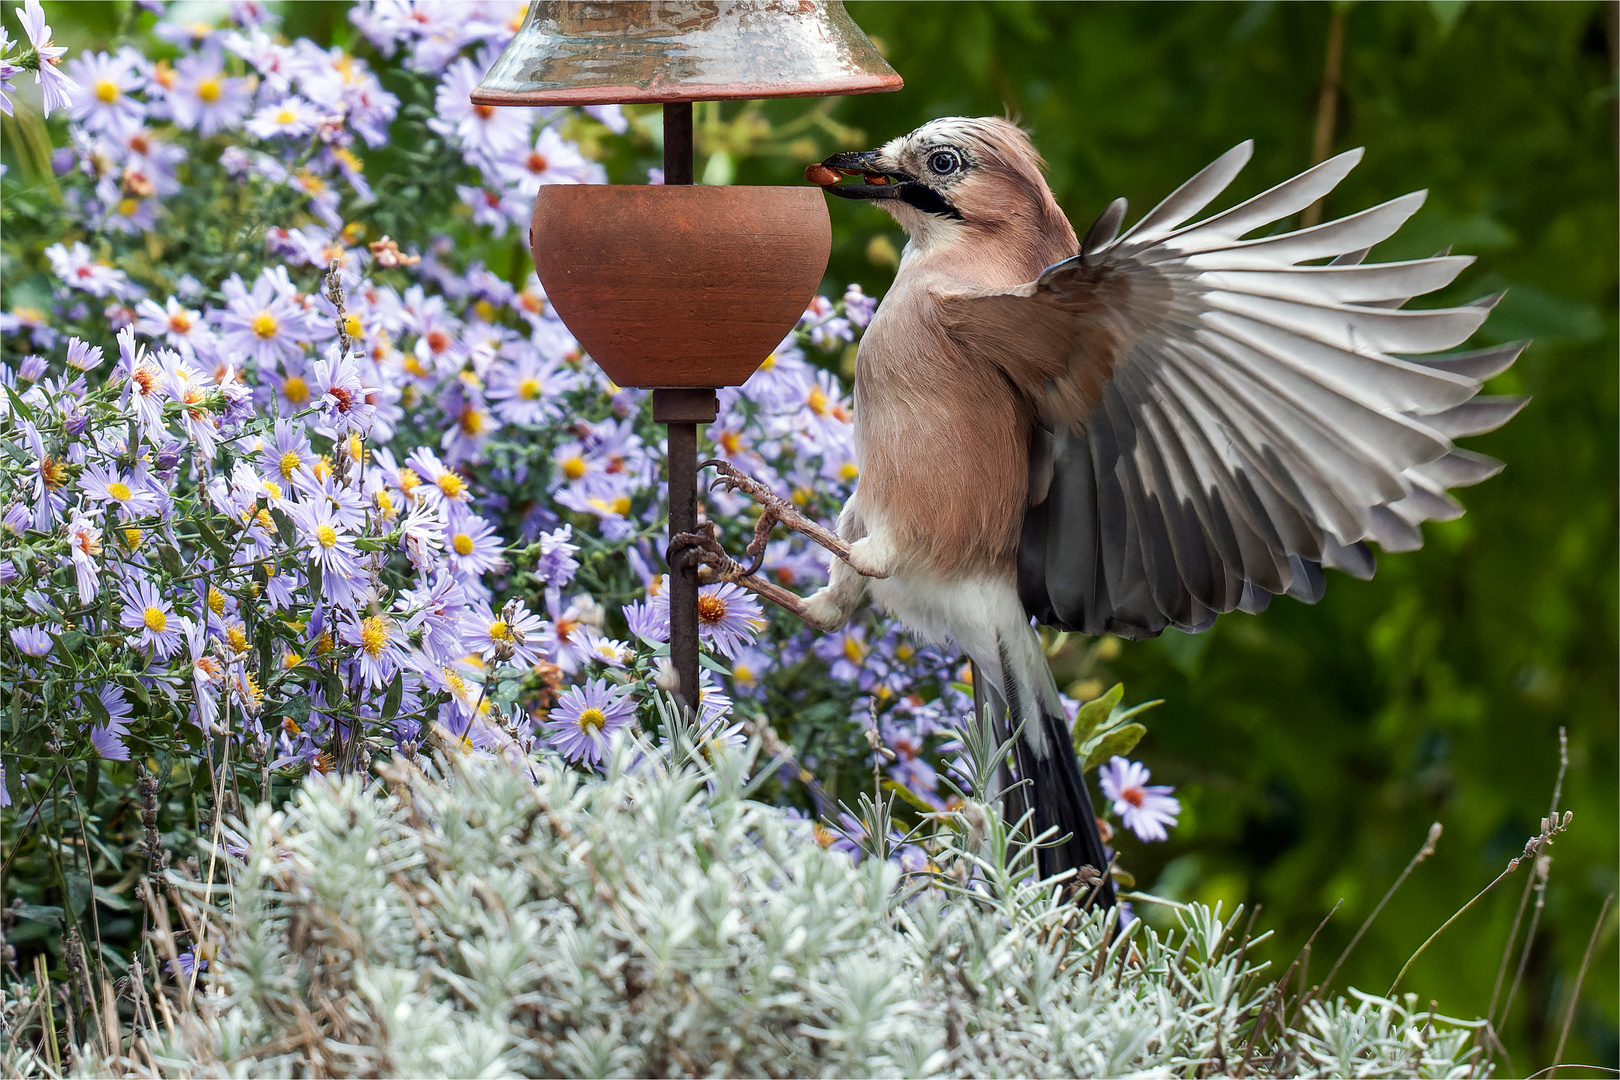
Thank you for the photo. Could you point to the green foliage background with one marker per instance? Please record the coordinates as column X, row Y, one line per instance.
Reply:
column 1313, row 746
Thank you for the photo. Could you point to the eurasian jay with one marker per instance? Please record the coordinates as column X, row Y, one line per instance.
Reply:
column 1131, row 432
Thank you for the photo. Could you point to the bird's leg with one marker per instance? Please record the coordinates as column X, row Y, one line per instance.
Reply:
column 775, row 509
column 703, row 547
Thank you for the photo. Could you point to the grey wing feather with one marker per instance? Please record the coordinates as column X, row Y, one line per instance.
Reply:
column 1221, row 419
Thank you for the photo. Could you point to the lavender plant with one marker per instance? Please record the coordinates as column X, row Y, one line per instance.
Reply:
column 472, row 916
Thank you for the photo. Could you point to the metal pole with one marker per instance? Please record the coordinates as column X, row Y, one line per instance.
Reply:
column 682, row 410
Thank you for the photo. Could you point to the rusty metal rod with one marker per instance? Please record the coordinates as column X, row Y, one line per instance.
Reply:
column 673, row 407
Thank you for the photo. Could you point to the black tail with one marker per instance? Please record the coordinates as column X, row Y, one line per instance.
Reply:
column 1057, row 788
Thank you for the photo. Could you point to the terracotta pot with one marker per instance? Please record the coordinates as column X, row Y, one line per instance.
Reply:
column 680, row 285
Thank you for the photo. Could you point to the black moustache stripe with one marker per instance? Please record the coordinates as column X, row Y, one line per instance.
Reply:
column 928, row 201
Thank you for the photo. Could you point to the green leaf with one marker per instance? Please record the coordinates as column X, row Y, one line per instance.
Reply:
column 209, row 537
column 284, row 526
column 111, row 899
column 49, row 914
column 78, row 889
column 314, row 575
column 22, row 407
column 907, row 795
column 69, row 643
column 133, row 685
column 170, row 558
column 1093, row 713
column 296, row 707
column 396, row 690
column 1125, row 714
column 1120, row 740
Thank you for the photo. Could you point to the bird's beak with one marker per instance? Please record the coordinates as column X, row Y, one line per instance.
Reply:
column 881, row 182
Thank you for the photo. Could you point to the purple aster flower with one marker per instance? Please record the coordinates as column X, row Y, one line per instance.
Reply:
column 1146, row 810
column 514, row 627
column 203, row 97
column 584, row 718
column 84, row 546
column 648, row 621
column 102, row 100
column 488, row 133
column 526, row 391
column 78, row 269
column 83, row 356
column 858, row 307
column 378, row 652
column 345, row 404
column 437, row 609
column 290, row 118
column 31, row 640
column 152, row 616
column 31, row 369
column 49, row 480
column 323, row 537
column 471, row 546
column 108, row 738
column 56, row 87
column 557, row 564
column 265, row 322
column 728, row 617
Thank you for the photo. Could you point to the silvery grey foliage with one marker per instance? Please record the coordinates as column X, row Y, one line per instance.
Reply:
column 479, row 916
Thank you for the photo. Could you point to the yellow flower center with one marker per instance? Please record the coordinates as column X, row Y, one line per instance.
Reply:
column 119, row 490
column 351, row 325
column 574, row 468
column 451, row 485
column 286, row 116
column 132, row 538
column 817, row 401
column 462, row 543
column 236, row 637
column 853, row 650
column 290, row 661
column 486, row 310
column 272, row 490
column 180, row 323
column 53, row 472
column 374, row 635
column 711, row 609
column 290, row 461
column 385, row 504
column 209, row 89
column 326, row 535
column 408, row 480
column 499, row 631
column 106, row 91
column 529, row 389
column 216, row 600
column 324, row 644
column 265, row 325
column 592, row 720
column 127, row 207
column 414, row 366
column 471, row 420
column 768, row 363
column 295, row 389
column 848, row 471
column 156, row 620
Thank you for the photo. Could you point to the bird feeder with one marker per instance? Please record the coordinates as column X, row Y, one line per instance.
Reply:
column 679, row 288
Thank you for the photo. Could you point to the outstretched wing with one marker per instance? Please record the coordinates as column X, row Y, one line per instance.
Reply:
column 1220, row 420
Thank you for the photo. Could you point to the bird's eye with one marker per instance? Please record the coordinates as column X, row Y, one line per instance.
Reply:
column 943, row 163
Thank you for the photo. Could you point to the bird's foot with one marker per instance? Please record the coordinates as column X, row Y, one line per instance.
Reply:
column 703, row 549
column 776, row 510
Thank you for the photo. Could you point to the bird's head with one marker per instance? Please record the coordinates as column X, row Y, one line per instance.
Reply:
column 951, row 178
